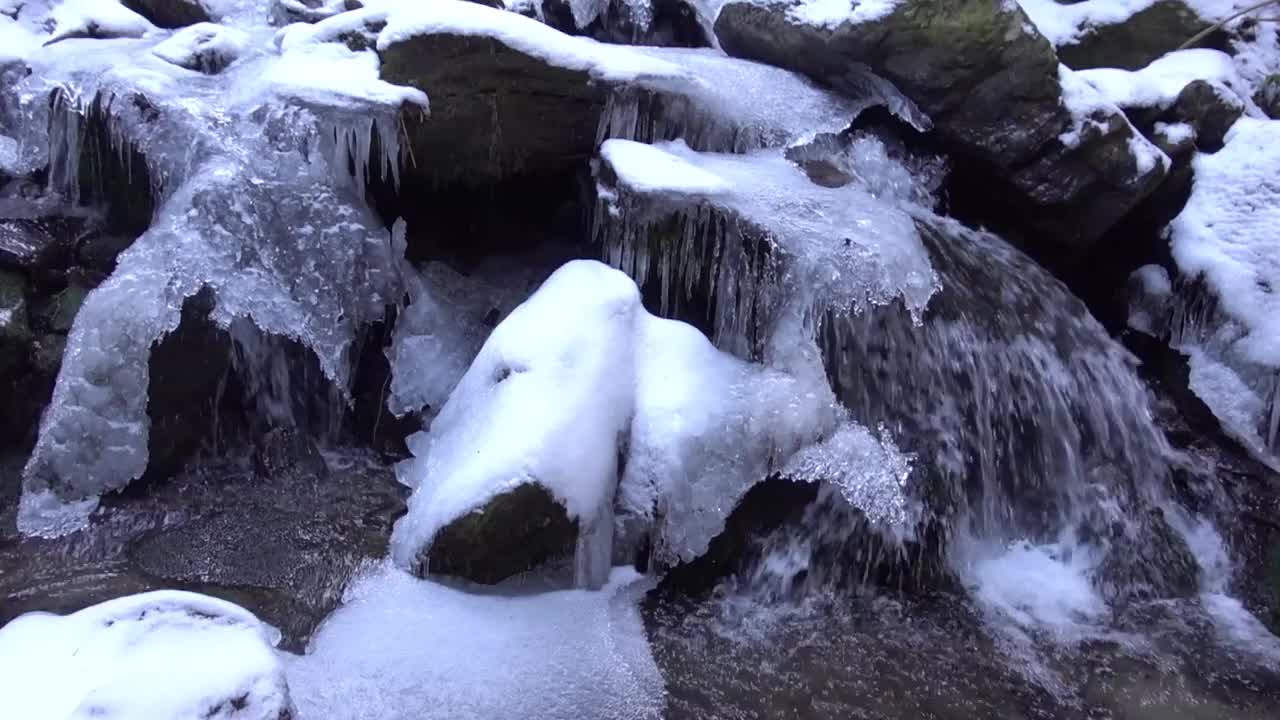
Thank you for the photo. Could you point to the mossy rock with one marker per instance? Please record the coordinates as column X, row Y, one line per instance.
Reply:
column 518, row 530
column 1139, row 40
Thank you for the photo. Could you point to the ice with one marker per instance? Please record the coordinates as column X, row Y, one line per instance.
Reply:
column 870, row 473
column 648, row 169
column 404, row 648
column 1158, row 84
column 838, row 249
column 1226, row 233
column 737, row 105
column 442, row 329
column 250, row 204
column 98, row 19
column 163, row 655
column 1150, row 291
column 203, row 47
column 561, row 403
column 832, row 13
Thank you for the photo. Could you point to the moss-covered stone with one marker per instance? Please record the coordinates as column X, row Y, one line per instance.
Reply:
column 1138, row 40
column 516, row 531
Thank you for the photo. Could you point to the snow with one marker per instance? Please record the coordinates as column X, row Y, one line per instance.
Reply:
column 97, row 18
column 404, row 648
column 16, row 42
column 163, row 655
column 850, row 248
column 1158, row 84
column 1044, row 586
column 1091, row 110
column 648, row 169
column 736, row 105
column 327, row 73
column 1227, row 233
column 404, row 21
column 556, row 402
column 1175, row 133
column 832, row 13
column 204, row 47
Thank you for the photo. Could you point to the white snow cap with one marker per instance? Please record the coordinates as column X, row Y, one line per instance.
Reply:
column 97, row 18
column 164, row 655
column 1158, row 84
column 831, row 13
column 1228, row 233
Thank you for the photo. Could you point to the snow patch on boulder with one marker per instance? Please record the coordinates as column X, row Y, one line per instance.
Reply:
column 164, row 655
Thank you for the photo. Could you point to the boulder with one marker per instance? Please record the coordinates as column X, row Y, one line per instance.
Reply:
column 496, row 111
column 1137, row 40
column 1268, row 96
column 516, row 531
column 992, row 86
column 668, row 23
column 171, row 13
column 1208, row 108
column 40, row 243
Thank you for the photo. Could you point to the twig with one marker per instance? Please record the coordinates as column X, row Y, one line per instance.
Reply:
column 1223, row 23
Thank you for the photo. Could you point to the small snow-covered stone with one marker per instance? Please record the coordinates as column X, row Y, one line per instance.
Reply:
column 164, row 655
column 96, row 19
column 204, row 47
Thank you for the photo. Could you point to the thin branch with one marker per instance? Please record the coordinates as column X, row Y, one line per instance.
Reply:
column 1218, row 26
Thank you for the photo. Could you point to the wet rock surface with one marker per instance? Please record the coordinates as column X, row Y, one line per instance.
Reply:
column 171, row 13
column 282, row 544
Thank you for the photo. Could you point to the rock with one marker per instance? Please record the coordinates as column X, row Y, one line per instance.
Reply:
column 1135, row 42
column 495, row 110
column 98, row 251
column 519, row 530
column 39, row 243
column 991, row 84
column 205, row 47
column 669, row 23
column 13, row 310
column 1209, row 109
column 211, row 658
column 171, row 13
column 1268, row 96
column 285, row 12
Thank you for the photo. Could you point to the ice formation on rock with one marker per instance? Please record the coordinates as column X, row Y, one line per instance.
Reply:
column 164, row 655
column 560, row 404
column 248, row 204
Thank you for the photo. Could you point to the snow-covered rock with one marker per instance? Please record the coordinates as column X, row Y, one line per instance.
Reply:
column 1226, row 238
column 993, row 94
column 665, row 23
column 1126, row 34
column 96, row 19
column 203, row 47
column 162, row 655
column 617, row 411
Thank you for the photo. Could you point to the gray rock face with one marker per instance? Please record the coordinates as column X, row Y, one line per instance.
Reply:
column 1210, row 110
column 516, row 531
column 990, row 84
column 495, row 111
column 1137, row 41
column 170, row 13
column 1268, row 96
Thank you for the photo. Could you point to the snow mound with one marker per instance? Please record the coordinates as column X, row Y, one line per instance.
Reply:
column 97, row 19
column 1227, row 233
column 163, row 655
column 203, row 47
column 649, row 169
column 407, row 648
column 1158, row 84
column 1092, row 111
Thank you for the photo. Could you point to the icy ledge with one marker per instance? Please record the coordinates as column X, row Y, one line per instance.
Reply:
column 163, row 655
column 580, row 377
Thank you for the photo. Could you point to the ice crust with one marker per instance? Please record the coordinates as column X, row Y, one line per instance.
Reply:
column 164, row 655
column 250, row 204
column 407, row 648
